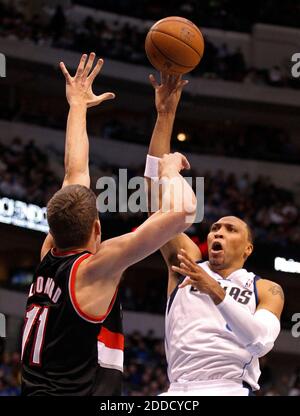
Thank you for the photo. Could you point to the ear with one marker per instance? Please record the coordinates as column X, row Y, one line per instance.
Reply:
column 248, row 250
column 97, row 227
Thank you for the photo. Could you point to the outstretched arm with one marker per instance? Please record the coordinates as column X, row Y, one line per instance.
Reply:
column 100, row 274
column 167, row 96
column 80, row 97
column 258, row 331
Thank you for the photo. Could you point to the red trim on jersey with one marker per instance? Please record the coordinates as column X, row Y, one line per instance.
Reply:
column 58, row 253
column 84, row 315
column 111, row 339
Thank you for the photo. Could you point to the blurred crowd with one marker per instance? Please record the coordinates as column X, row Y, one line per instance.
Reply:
column 272, row 212
column 145, row 371
column 215, row 138
column 222, row 14
column 25, row 173
column 125, row 42
column 206, row 137
column 10, row 374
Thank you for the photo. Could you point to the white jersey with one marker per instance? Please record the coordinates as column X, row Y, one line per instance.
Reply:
column 199, row 344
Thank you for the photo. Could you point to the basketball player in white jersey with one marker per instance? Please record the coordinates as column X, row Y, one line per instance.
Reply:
column 220, row 318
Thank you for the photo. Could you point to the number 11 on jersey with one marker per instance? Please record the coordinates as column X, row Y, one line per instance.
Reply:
column 36, row 317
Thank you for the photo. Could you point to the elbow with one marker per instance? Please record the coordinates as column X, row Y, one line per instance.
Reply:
column 266, row 333
column 259, row 349
column 189, row 211
column 186, row 217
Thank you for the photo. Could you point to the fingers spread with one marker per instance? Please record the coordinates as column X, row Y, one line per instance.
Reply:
column 100, row 98
column 185, row 265
column 180, row 270
column 185, row 254
column 107, row 96
column 96, row 70
column 65, row 72
column 164, row 77
column 80, row 67
column 153, row 81
column 191, row 266
column 183, row 83
column 174, row 80
column 88, row 66
column 179, row 84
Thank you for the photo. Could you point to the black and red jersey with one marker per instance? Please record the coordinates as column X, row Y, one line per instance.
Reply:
column 64, row 350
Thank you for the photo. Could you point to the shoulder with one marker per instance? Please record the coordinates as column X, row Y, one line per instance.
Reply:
column 110, row 259
column 267, row 288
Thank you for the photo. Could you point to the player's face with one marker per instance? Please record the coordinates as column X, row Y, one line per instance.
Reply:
column 228, row 243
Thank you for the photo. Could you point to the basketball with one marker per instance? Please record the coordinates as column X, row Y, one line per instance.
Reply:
column 174, row 45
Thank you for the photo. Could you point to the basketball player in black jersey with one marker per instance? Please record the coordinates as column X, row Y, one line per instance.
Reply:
column 72, row 337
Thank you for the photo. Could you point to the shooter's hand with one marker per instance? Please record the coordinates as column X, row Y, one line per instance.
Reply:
column 168, row 92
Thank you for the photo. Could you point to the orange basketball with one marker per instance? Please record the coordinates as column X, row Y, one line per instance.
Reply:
column 174, row 45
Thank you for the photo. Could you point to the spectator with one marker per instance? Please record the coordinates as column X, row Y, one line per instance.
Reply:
column 58, row 24
column 125, row 42
column 147, row 376
column 295, row 383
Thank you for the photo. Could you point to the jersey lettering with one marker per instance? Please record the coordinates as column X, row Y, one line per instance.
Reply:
column 45, row 287
column 241, row 296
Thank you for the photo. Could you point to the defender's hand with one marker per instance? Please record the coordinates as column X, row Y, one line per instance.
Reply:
column 172, row 163
column 79, row 88
column 168, row 93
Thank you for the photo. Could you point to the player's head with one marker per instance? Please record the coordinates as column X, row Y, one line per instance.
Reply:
column 73, row 218
column 230, row 243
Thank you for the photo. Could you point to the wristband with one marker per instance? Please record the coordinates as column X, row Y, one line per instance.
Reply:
column 151, row 168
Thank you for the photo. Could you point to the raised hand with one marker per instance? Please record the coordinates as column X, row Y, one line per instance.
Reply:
column 173, row 161
column 79, row 88
column 168, row 92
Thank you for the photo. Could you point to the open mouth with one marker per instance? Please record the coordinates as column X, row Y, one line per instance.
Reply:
column 216, row 246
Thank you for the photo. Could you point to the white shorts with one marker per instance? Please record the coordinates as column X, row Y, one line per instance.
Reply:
column 209, row 388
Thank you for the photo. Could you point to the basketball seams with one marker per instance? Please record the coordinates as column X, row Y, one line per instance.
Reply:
column 166, row 57
column 167, row 34
column 178, row 19
column 158, row 50
column 173, row 42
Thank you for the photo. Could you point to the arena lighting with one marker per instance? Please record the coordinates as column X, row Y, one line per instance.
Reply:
column 23, row 215
column 181, row 137
column 288, row 266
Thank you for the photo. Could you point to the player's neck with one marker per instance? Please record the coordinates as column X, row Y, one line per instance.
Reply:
column 224, row 272
column 90, row 246
column 65, row 251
